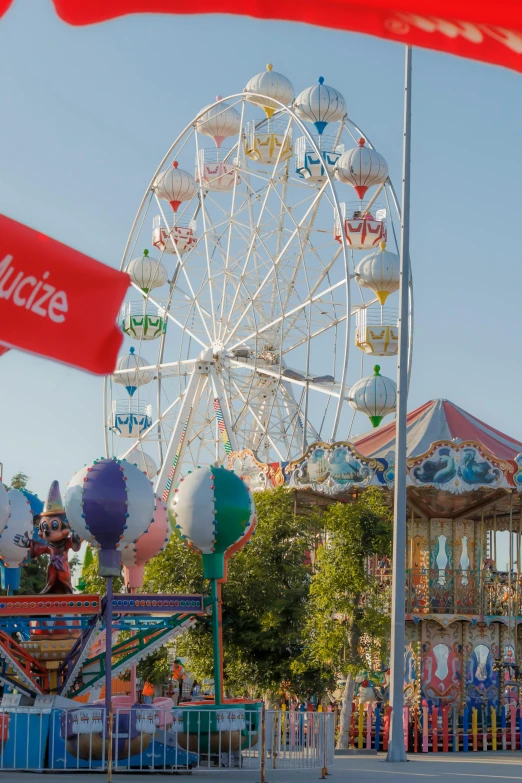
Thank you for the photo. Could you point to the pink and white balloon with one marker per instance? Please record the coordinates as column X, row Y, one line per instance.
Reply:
column 361, row 167
column 219, row 122
column 175, row 186
column 135, row 556
column 20, row 522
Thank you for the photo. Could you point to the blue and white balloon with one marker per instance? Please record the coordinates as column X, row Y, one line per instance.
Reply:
column 110, row 503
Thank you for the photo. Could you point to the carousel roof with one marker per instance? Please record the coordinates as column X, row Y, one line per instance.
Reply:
column 434, row 421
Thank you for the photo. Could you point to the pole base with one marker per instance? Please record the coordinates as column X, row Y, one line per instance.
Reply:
column 396, row 755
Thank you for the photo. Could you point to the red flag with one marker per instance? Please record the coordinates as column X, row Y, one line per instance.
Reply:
column 488, row 31
column 57, row 302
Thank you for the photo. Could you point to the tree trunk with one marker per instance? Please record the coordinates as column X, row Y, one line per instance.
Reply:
column 343, row 741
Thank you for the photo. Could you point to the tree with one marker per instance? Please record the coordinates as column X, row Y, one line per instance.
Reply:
column 264, row 602
column 19, row 480
column 348, row 623
column 91, row 582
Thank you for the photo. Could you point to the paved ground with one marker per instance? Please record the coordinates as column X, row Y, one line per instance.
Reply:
column 450, row 768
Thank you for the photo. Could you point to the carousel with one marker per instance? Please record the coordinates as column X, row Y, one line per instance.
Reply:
column 464, row 582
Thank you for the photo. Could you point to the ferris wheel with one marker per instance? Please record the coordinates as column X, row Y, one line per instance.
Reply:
column 264, row 245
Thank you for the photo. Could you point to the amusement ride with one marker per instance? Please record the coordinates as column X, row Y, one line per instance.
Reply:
column 264, row 247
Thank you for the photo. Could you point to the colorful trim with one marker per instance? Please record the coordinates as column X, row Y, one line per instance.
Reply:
column 165, row 495
column 222, row 427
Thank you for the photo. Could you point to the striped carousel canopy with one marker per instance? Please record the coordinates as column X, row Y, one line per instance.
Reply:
column 435, row 421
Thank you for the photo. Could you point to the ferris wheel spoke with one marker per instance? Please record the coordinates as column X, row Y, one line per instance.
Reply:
column 287, row 315
column 276, row 261
column 144, row 435
column 294, row 377
column 259, row 422
column 258, row 222
column 177, row 444
column 172, row 318
column 312, row 335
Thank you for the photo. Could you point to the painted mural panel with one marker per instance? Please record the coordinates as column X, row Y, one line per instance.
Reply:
column 441, row 566
column 481, row 647
column 467, row 577
column 419, row 566
column 441, row 663
column 411, row 661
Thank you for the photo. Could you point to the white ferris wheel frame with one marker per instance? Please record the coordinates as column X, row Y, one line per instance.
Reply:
column 202, row 370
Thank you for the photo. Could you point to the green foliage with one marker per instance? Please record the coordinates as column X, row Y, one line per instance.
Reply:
column 34, row 576
column 348, row 624
column 92, row 583
column 19, row 480
column 264, row 601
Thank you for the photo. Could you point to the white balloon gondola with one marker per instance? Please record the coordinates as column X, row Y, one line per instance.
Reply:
column 176, row 186
column 320, row 104
column 311, row 166
column 143, row 461
column 219, row 122
column 216, row 169
column 269, row 142
column 269, row 85
column 143, row 320
column 129, row 418
column 375, row 395
column 364, row 227
column 129, row 372
column 174, row 235
column 361, row 167
column 377, row 331
column 147, row 272
column 380, row 272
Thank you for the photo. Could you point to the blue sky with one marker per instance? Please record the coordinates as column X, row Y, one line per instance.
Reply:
column 87, row 113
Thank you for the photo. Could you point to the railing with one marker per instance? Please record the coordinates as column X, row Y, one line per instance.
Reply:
column 173, row 221
column 447, row 728
column 460, row 591
column 377, row 316
column 146, row 739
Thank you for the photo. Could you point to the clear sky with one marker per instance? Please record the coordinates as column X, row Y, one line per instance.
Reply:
column 87, row 113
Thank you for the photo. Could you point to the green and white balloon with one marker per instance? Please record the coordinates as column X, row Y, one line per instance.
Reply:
column 214, row 512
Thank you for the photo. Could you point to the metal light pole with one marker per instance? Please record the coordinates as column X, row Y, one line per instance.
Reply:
column 396, row 751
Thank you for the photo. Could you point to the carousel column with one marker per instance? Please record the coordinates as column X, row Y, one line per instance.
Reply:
column 396, row 750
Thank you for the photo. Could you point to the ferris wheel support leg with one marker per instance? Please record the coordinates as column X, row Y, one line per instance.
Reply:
column 228, row 436
column 178, row 440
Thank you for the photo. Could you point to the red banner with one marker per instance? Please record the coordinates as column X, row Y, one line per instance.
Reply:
column 57, row 302
column 488, row 31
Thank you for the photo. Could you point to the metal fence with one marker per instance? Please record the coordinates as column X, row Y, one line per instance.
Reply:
column 142, row 738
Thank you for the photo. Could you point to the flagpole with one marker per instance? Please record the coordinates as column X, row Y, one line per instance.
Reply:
column 396, row 750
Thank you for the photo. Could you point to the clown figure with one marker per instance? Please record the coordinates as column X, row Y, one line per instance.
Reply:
column 55, row 540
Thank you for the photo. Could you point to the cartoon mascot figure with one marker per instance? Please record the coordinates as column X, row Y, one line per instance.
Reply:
column 55, row 540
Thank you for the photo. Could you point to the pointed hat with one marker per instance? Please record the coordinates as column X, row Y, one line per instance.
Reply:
column 53, row 505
